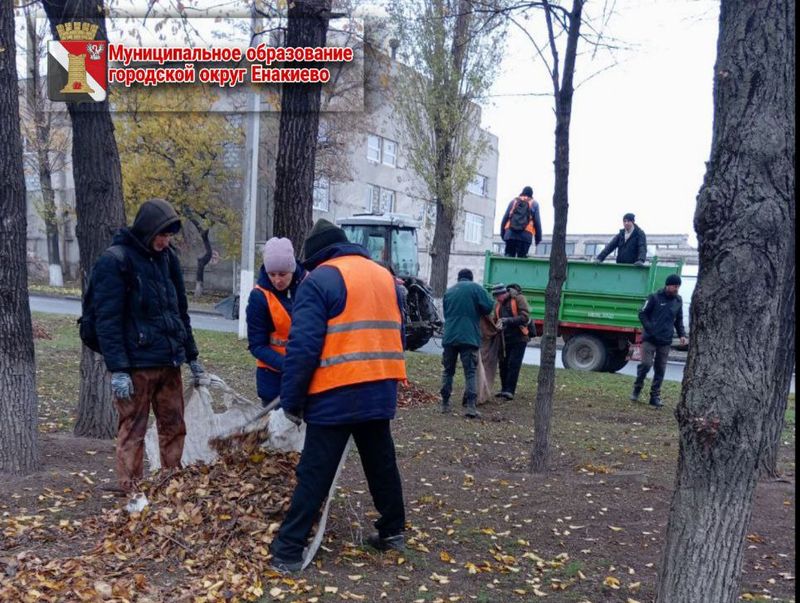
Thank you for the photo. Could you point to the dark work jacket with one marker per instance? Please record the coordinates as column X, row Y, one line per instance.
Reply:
column 522, row 235
column 320, row 297
column 659, row 315
column 463, row 304
column 259, row 328
column 512, row 333
column 141, row 310
column 628, row 252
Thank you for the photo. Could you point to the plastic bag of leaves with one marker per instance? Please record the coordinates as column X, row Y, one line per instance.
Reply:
column 238, row 416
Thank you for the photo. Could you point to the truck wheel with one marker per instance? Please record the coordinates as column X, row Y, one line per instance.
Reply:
column 615, row 360
column 584, row 353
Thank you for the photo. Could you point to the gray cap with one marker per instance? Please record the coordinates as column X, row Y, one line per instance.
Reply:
column 498, row 289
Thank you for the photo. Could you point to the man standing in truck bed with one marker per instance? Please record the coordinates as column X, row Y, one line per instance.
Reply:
column 630, row 243
column 521, row 225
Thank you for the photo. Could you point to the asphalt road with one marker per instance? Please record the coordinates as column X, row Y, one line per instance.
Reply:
column 211, row 322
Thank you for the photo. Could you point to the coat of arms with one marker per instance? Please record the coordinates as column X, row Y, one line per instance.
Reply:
column 77, row 64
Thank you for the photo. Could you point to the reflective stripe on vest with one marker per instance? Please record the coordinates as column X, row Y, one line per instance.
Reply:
column 363, row 343
column 529, row 228
column 514, row 312
column 281, row 321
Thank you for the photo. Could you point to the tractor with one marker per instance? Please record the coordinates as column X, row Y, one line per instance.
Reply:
column 391, row 239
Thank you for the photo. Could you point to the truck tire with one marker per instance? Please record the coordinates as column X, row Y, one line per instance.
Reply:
column 615, row 360
column 584, row 353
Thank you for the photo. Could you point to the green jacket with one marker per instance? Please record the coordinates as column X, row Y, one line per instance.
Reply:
column 464, row 303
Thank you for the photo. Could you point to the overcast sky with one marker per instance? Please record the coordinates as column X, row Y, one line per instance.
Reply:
column 641, row 130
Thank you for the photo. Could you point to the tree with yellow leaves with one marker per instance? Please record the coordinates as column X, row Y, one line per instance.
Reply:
column 173, row 147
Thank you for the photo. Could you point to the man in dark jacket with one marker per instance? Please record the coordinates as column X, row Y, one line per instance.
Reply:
column 661, row 313
column 630, row 243
column 519, row 234
column 342, row 366
column 144, row 333
column 511, row 308
column 464, row 304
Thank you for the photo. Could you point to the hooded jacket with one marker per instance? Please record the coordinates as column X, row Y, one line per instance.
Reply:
column 141, row 310
column 259, row 327
column 321, row 296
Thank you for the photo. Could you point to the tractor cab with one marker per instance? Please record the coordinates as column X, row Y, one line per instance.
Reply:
column 390, row 238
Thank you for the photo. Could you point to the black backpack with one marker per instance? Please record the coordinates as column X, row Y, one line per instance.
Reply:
column 520, row 215
column 87, row 327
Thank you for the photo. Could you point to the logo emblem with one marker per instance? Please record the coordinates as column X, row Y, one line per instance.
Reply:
column 76, row 64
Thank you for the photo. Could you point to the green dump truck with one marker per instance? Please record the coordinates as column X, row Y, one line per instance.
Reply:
column 599, row 314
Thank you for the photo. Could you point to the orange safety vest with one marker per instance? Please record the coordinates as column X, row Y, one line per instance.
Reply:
column 363, row 343
column 514, row 312
column 529, row 228
column 282, row 323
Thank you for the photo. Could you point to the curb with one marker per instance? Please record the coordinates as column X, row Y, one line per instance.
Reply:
column 192, row 310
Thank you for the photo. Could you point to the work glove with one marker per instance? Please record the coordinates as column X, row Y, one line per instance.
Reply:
column 199, row 376
column 121, row 386
column 296, row 419
column 505, row 322
column 638, row 263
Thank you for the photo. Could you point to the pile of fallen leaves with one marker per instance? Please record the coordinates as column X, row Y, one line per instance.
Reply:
column 39, row 331
column 412, row 395
column 204, row 536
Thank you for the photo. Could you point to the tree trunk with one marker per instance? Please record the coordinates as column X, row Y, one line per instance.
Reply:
column 446, row 198
column 742, row 307
column 443, row 233
column 202, row 262
column 99, row 209
column 19, row 451
column 545, row 385
column 299, row 128
column 42, row 132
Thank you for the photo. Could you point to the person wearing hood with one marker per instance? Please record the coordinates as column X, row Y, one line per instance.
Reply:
column 341, row 371
column 269, row 314
column 145, row 335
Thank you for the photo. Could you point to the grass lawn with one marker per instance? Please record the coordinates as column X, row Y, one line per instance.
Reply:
column 480, row 527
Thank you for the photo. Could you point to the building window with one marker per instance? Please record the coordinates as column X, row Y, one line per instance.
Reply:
column 473, row 228
column 322, row 194
column 479, row 186
column 379, row 199
column 389, row 152
column 387, row 200
column 381, row 150
column 593, row 249
column 570, row 248
column 544, row 249
column 374, row 148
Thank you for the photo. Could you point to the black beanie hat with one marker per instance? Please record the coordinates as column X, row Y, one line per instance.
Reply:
column 322, row 235
column 672, row 279
column 465, row 274
column 629, row 216
column 526, row 192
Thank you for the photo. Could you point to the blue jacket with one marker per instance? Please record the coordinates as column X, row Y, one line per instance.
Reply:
column 660, row 315
column 320, row 297
column 259, row 327
column 141, row 311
